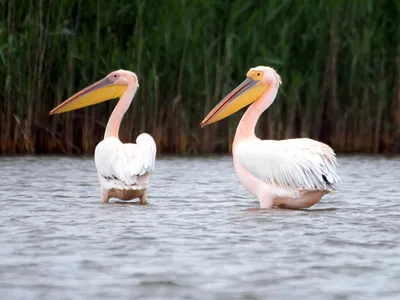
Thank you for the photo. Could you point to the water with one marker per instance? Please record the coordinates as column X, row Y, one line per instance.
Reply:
column 196, row 239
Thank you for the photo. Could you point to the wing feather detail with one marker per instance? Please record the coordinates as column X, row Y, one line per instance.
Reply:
column 126, row 162
column 295, row 163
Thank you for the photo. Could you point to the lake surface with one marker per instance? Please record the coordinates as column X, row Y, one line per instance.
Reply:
column 197, row 238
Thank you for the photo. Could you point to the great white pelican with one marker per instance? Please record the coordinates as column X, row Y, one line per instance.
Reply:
column 123, row 169
column 292, row 173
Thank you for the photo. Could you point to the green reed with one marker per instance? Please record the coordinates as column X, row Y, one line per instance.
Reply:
column 339, row 62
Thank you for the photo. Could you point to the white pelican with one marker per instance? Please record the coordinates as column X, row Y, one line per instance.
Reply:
column 123, row 169
column 293, row 173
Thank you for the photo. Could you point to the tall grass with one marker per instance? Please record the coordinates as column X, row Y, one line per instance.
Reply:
column 339, row 61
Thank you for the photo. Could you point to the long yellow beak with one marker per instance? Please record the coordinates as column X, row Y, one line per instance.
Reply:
column 246, row 93
column 100, row 91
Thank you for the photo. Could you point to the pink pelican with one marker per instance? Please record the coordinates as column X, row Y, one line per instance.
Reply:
column 123, row 169
column 293, row 173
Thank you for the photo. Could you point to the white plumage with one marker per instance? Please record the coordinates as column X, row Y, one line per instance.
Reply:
column 124, row 167
column 299, row 164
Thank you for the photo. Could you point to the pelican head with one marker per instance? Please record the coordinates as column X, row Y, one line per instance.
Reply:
column 258, row 80
column 110, row 87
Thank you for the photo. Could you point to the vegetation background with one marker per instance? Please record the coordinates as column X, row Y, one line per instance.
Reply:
column 339, row 61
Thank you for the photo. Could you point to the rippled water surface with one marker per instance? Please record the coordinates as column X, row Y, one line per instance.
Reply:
column 196, row 239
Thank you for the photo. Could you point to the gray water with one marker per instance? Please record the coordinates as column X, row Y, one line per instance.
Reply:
column 197, row 238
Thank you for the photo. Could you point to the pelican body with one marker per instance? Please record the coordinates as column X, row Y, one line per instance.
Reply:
column 123, row 169
column 292, row 173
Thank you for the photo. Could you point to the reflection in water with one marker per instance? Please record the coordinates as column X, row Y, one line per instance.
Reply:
column 201, row 236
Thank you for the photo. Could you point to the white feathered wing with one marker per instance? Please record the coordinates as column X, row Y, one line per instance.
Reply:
column 298, row 164
column 125, row 166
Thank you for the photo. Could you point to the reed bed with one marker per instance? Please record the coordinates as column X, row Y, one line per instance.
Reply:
column 339, row 61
